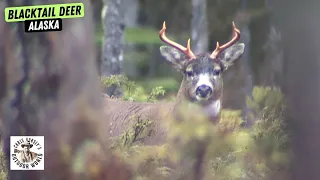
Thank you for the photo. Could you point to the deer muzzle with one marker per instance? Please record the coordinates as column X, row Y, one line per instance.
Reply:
column 203, row 91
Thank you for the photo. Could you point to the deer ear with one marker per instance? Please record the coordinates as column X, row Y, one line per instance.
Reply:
column 231, row 54
column 174, row 57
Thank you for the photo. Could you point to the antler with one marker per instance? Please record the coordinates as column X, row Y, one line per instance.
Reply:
column 219, row 49
column 186, row 50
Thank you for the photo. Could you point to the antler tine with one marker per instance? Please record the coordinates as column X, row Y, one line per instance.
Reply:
column 219, row 49
column 187, row 50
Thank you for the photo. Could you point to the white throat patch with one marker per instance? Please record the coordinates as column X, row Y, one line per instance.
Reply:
column 213, row 109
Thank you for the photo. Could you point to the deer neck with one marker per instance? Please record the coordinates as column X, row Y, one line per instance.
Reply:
column 211, row 110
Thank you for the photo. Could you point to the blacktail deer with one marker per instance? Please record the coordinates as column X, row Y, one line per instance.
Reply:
column 202, row 85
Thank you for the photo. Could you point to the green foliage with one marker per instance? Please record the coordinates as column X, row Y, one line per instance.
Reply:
column 142, row 35
column 231, row 152
column 168, row 83
column 270, row 131
column 137, row 132
column 227, row 150
column 138, row 35
column 156, row 92
column 268, row 108
column 133, row 92
column 147, row 161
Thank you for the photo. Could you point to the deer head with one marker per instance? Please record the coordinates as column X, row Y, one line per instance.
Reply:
column 202, row 82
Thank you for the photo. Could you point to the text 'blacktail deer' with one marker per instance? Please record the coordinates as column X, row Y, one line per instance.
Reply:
column 201, row 85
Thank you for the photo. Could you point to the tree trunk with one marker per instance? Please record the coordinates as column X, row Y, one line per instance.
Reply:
column 242, row 21
column 63, row 103
column 300, row 31
column 131, row 13
column 199, row 27
column 248, row 84
column 113, row 42
column 271, row 68
column 240, row 76
column 131, row 21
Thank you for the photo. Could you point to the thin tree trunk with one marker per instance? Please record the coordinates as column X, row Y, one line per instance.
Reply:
column 199, row 26
column 273, row 58
column 242, row 21
column 131, row 13
column 113, row 42
column 131, row 21
column 248, row 85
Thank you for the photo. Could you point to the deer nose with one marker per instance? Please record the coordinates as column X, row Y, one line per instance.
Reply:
column 204, row 91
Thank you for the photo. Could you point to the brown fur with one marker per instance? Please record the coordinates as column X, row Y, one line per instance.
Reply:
column 124, row 114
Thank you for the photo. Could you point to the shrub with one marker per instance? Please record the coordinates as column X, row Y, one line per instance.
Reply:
column 228, row 151
column 132, row 91
column 198, row 150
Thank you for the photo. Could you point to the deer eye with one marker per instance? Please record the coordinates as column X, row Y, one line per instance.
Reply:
column 217, row 72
